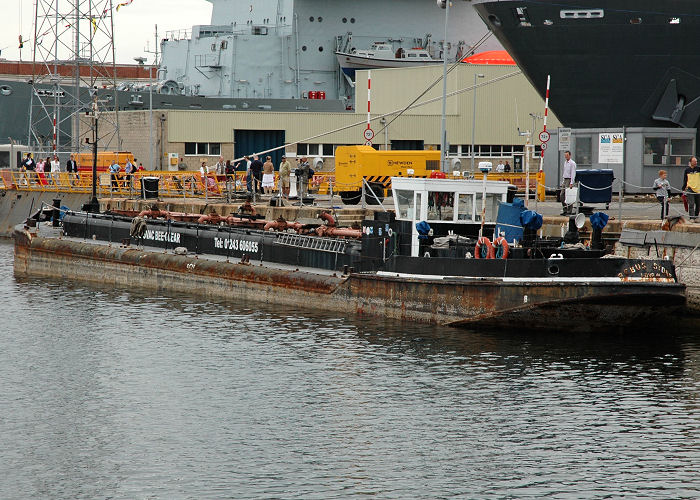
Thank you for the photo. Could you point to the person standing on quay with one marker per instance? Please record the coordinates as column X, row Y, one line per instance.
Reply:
column 285, row 172
column 662, row 189
column 28, row 166
column 40, row 173
column 72, row 169
column 691, row 188
column 568, row 177
column 221, row 166
column 256, row 167
column 303, row 178
column 268, row 180
column 56, row 170
column 114, row 170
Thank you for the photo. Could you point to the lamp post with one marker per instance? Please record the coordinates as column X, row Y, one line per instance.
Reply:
column 476, row 75
column 444, row 4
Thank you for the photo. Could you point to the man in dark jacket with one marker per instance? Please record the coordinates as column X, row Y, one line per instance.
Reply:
column 72, row 169
column 257, row 167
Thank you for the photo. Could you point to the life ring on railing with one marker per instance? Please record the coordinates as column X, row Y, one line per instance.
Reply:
column 500, row 247
column 483, row 249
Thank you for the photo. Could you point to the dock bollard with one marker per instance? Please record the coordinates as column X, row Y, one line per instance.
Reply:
column 56, row 211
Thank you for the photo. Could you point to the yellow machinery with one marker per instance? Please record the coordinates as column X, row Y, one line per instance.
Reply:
column 104, row 160
column 353, row 163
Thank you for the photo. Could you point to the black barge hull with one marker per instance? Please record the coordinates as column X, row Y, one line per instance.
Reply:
column 484, row 303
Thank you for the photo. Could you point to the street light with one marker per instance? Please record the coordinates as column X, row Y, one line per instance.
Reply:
column 444, row 4
column 476, row 75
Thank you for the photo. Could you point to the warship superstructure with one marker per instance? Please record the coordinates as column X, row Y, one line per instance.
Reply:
column 285, row 49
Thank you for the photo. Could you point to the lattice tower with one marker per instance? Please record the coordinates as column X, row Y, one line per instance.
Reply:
column 73, row 59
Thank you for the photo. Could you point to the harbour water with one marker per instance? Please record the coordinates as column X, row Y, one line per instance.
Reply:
column 116, row 393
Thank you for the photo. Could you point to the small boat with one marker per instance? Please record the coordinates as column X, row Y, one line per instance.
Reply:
column 383, row 55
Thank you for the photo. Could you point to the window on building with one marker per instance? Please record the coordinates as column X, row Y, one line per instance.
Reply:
column 582, row 153
column 655, row 150
column 202, row 148
column 328, row 149
column 681, row 151
column 302, row 149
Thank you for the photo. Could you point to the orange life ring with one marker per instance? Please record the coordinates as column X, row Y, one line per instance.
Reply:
column 500, row 247
column 483, row 242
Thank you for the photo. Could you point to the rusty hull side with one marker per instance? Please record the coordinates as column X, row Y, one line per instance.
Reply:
column 472, row 303
column 112, row 265
column 491, row 304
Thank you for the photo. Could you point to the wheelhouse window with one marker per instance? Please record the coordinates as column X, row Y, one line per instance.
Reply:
column 440, row 205
column 465, row 207
column 404, row 200
column 491, row 206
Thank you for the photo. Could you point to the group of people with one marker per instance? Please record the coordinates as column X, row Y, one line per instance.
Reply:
column 260, row 176
column 47, row 171
column 690, row 191
column 501, row 167
column 130, row 169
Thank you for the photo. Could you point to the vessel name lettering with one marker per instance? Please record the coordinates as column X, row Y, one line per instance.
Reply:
column 242, row 245
column 150, row 234
column 640, row 269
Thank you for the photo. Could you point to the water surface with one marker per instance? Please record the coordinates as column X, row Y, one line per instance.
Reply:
column 116, row 393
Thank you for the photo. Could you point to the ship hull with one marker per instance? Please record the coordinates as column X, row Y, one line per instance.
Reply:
column 579, row 305
column 610, row 64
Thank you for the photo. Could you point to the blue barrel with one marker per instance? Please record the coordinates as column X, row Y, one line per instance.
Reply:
column 595, row 185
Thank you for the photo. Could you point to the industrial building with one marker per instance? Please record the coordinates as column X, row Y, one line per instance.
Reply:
column 507, row 107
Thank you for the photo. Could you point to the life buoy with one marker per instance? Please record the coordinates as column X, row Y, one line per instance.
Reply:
column 483, row 249
column 500, row 246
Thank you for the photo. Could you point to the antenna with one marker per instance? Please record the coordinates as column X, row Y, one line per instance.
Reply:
column 72, row 58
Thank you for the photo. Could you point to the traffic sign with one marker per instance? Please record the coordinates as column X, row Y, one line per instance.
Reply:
column 368, row 143
column 369, row 134
column 543, row 146
column 544, row 136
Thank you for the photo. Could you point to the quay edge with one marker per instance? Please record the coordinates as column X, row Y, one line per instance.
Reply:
column 481, row 304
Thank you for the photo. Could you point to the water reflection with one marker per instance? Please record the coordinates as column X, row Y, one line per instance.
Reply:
column 111, row 392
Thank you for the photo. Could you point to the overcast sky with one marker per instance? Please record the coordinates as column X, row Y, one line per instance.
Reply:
column 134, row 25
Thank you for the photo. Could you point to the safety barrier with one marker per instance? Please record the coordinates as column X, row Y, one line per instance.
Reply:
column 170, row 184
column 192, row 184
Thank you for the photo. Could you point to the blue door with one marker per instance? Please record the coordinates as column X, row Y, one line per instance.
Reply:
column 248, row 142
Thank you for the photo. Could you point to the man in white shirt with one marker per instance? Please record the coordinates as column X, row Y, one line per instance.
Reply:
column 568, row 177
column 500, row 167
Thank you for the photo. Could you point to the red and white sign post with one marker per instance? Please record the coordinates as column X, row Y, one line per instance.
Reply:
column 369, row 133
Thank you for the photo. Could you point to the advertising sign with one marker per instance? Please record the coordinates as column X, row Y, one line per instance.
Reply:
column 611, row 147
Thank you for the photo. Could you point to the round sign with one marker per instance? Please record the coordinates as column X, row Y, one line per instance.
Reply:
column 543, row 146
column 544, row 136
column 368, row 143
column 369, row 133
